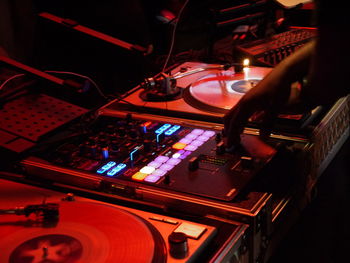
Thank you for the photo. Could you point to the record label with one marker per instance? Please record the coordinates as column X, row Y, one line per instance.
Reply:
column 221, row 91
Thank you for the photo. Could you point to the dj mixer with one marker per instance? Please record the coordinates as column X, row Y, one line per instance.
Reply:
column 270, row 51
column 127, row 152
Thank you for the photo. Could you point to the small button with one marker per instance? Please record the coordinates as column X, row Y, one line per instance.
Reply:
column 191, row 230
column 170, row 221
column 156, row 218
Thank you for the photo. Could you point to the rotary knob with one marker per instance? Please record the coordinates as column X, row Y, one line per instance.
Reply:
column 178, row 245
column 220, row 148
column 193, row 164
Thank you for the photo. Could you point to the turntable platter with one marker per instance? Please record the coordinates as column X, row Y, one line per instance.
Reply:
column 220, row 91
column 86, row 232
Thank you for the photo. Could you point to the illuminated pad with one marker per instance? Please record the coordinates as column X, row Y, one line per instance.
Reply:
column 179, row 146
column 186, row 142
column 159, row 173
column 197, row 131
column 147, row 170
column 106, row 167
column 116, row 169
column 139, row 176
column 161, row 159
column 161, row 165
column 172, row 130
column 152, row 178
column 190, row 148
column 163, row 128
column 173, row 161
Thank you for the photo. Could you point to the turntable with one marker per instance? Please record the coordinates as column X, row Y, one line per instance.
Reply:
column 92, row 231
column 208, row 91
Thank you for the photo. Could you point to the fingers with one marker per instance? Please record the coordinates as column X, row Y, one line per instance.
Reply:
column 237, row 118
column 235, row 121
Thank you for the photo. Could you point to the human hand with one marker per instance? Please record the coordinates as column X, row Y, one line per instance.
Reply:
column 269, row 97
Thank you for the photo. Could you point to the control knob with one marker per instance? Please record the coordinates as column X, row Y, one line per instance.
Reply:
column 193, row 164
column 178, row 245
column 220, row 148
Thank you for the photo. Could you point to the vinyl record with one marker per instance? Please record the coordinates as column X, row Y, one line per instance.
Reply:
column 86, row 232
column 219, row 92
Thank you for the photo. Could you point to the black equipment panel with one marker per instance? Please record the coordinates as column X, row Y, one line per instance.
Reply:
column 130, row 152
column 271, row 50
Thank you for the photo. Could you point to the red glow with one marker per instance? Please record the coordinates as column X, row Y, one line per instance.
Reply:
column 147, row 124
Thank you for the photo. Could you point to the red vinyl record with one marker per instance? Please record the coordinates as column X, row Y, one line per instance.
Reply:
column 85, row 232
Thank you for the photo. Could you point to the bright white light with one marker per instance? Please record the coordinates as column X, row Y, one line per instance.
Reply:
column 246, row 62
column 176, row 155
column 147, row 169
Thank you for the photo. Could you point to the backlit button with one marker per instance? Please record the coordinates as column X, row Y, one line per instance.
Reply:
column 197, row 143
column 173, row 161
column 197, row 131
column 172, row 130
column 163, row 128
column 166, row 167
column 185, row 154
column 154, row 164
column 191, row 136
column 161, row 159
column 176, row 155
column 106, row 167
column 191, row 148
column 139, row 176
column 159, row 173
column 203, row 138
column 147, row 170
column 116, row 169
column 152, row 178
column 185, row 141
column 179, row 146
column 209, row 133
